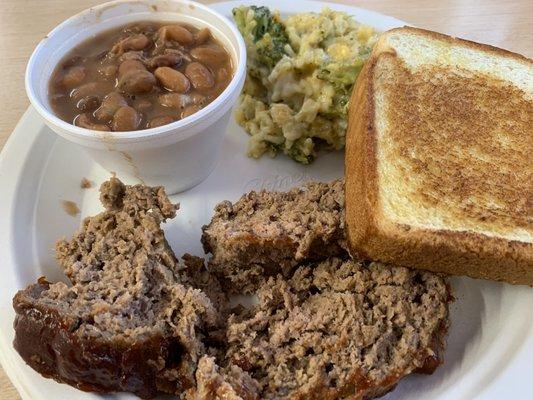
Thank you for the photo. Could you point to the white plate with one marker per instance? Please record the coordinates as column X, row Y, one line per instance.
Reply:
column 490, row 346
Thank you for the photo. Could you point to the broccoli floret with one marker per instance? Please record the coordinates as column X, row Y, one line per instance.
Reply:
column 264, row 34
column 266, row 24
column 300, row 157
column 302, row 151
column 273, row 148
column 342, row 77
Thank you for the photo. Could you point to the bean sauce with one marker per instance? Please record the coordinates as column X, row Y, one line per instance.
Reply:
column 140, row 76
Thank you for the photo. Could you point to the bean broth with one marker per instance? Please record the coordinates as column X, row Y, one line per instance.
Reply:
column 140, row 76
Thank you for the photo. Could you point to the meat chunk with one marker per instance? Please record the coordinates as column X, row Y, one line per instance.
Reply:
column 264, row 233
column 333, row 330
column 134, row 317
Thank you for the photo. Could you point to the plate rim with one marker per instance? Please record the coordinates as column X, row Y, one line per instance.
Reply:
column 21, row 142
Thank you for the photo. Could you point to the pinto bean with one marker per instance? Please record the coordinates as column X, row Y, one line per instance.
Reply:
column 200, row 77
column 89, row 89
column 88, row 103
column 129, row 65
column 126, row 119
column 134, row 42
column 142, row 105
column 223, row 76
column 174, row 100
column 176, row 33
column 209, row 55
column 190, row 110
column 132, row 55
column 133, row 77
column 198, row 99
column 137, row 42
column 111, row 103
column 202, row 36
column 165, row 60
column 172, row 80
column 183, row 55
column 108, row 71
column 84, row 121
column 74, row 76
column 160, row 121
column 180, row 101
column 136, row 81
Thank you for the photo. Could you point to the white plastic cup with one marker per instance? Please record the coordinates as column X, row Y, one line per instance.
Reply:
column 178, row 155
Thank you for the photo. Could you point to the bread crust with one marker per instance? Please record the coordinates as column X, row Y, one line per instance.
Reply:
column 373, row 236
column 463, row 42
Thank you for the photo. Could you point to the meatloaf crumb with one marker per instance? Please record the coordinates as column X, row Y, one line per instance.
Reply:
column 265, row 233
column 234, row 384
column 333, row 330
column 85, row 183
column 129, row 321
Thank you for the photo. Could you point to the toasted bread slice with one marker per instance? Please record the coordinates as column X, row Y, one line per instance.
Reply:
column 439, row 157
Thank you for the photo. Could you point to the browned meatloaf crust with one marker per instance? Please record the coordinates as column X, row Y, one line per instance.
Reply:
column 266, row 233
column 133, row 319
column 334, row 330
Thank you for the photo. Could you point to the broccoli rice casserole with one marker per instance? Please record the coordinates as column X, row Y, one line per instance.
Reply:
column 301, row 71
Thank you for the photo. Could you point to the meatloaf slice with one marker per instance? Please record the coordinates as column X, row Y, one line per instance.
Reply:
column 265, row 233
column 134, row 318
column 334, row 330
